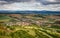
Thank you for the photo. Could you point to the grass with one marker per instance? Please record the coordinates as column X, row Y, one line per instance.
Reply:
column 27, row 32
column 4, row 18
column 31, row 31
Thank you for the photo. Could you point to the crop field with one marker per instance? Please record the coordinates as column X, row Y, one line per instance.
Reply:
column 11, row 27
column 28, row 32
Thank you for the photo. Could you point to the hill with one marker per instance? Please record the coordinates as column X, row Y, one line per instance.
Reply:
column 29, row 26
column 29, row 12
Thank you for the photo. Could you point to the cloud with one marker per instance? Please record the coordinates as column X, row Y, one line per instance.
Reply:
column 16, row 0
column 53, row 5
column 47, row 2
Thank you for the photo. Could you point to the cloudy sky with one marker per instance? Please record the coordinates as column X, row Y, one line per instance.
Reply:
column 52, row 5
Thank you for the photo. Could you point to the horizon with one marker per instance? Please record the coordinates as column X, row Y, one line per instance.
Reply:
column 30, row 12
column 29, row 18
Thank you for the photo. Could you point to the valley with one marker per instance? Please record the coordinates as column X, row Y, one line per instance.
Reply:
column 29, row 26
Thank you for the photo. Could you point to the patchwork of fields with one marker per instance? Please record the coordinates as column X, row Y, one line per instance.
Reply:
column 33, row 26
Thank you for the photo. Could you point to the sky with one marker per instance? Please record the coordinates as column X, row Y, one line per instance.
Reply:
column 51, row 5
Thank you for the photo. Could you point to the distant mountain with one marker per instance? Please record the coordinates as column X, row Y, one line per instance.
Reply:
column 29, row 12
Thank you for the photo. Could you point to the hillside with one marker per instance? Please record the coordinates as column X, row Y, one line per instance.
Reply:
column 29, row 12
column 29, row 26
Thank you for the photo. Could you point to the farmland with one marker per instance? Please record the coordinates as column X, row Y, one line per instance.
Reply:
column 29, row 26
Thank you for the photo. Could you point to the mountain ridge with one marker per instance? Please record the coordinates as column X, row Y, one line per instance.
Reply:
column 29, row 12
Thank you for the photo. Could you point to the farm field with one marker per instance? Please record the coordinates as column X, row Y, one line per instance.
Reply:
column 29, row 26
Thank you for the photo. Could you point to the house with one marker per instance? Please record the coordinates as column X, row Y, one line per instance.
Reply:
column 17, row 23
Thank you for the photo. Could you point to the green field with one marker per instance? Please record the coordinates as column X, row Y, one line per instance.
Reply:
column 28, row 31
